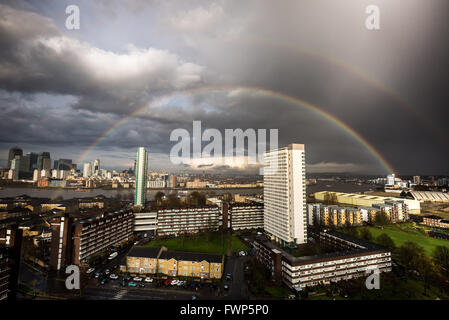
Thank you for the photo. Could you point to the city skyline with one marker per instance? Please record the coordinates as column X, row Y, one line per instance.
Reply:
column 348, row 95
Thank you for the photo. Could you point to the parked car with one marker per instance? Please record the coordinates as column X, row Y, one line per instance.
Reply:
column 126, row 278
column 90, row 270
column 103, row 281
column 167, row 282
column 113, row 276
column 148, row 279
column 122, row 283
column 107, row 271
column 228, row 276
column 132, row 284
column 97, row 275
column 226, row 286
column 137, row 279
column 113, row 255
column 174, row 282
column 142, row 285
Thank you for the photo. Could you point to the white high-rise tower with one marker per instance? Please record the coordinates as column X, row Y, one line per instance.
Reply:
column 87, row 170
column 285, row 217
column 141, row 177
column 96, row 168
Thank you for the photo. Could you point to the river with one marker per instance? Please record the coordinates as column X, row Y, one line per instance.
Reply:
column 128, row 193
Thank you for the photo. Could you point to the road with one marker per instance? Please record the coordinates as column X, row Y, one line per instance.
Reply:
column 238, row 289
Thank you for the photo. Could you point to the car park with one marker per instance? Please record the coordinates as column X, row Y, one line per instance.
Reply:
column 148, row 279
column 132, row 284
column 137, row 279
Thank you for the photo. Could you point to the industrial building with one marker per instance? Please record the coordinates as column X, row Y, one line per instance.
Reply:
column 366, row 200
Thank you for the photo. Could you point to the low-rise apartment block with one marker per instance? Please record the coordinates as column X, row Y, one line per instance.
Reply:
column 351, row 259
column 96, row 234
column 185, row 220
column 241, row 216
column 435, row 222
column 334, row 215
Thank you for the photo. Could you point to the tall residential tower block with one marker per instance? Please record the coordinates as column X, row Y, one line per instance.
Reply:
column 285, row 212
column 141, row 177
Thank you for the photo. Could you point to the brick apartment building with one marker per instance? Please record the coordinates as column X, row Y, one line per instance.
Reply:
column 435, row 222
column 10, row 250
column 149, row 260
column 75, row 242
column 96, row 234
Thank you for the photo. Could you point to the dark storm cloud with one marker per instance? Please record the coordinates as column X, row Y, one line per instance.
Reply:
column 317, row 51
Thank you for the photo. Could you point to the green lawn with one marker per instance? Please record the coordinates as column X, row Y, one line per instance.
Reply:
column 200, row 243
column 278, row 292
column 401, row 233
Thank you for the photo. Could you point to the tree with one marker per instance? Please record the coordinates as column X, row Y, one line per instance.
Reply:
column 425, row 268
column 407, row 254
column 197, row 198
column 352, row 232
column 381, row 219
column 173, row 200
column 158, row 197
column 366, row 234
column 385, row 240
column 441, row 255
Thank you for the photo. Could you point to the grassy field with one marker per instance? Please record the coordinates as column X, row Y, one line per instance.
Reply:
column 214, row 244
column 401, row 233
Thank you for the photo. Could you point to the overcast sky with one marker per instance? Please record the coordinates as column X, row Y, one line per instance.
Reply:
column 61, row 89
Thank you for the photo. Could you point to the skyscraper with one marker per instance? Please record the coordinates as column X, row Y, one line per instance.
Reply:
column 64, row 164
column 33, row 161
column 13, row 152
column 141, row 176
column 40, row 161
column 87, row 170
column 285, row 218
column 96, row 168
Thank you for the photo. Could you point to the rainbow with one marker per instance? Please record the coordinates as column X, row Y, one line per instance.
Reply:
column 366, row 77
column 278, row 95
